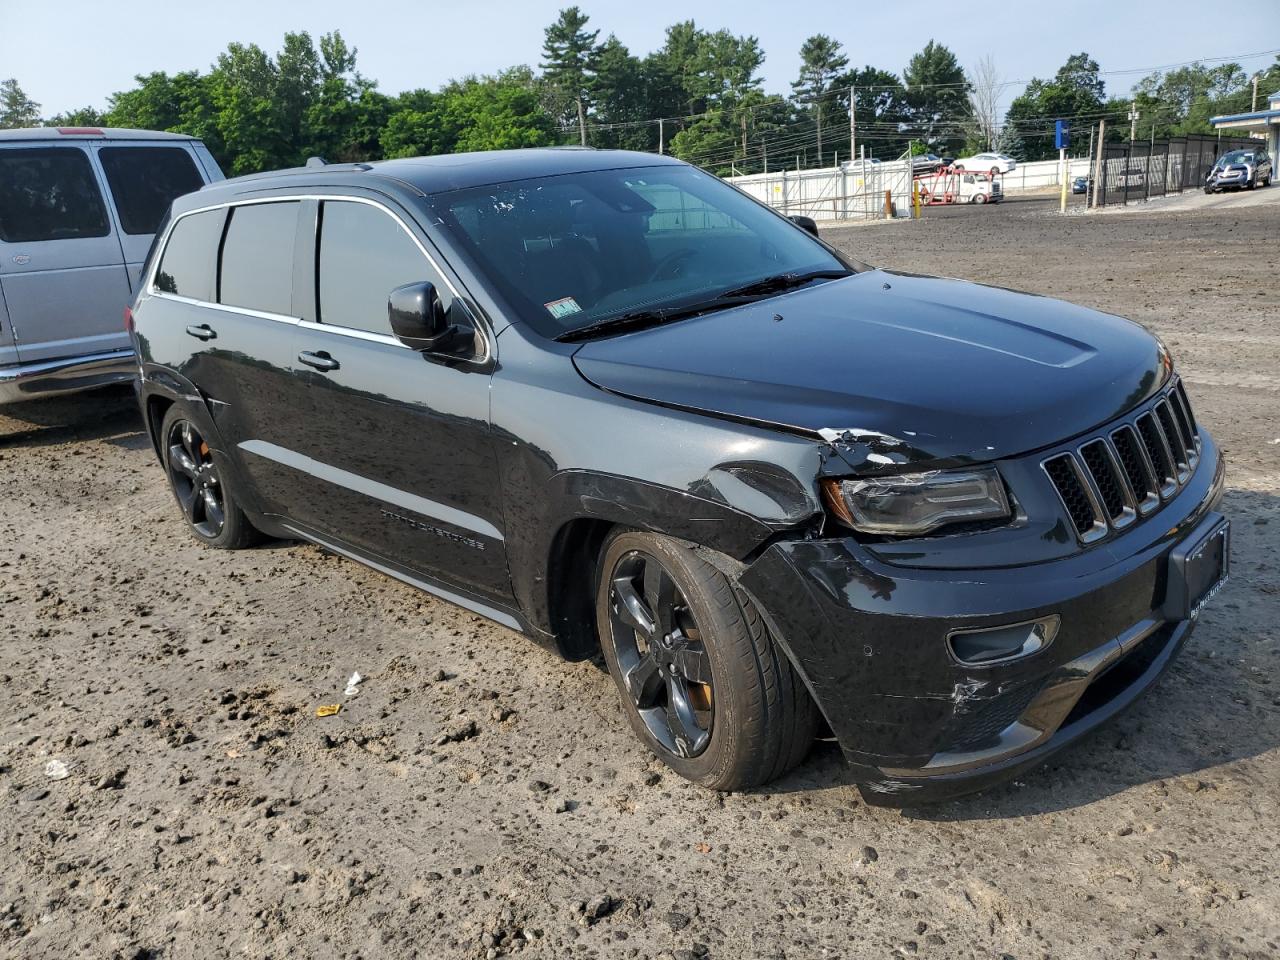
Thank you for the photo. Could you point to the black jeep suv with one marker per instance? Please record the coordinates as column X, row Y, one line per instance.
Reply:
column 609, row 401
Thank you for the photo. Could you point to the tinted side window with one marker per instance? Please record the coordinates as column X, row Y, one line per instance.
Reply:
column 190, row 258
column 364, row 255
column 49, row 194
column 257, row 257
column 144, row 181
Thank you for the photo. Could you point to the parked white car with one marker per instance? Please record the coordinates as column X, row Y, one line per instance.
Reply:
column 987, row 163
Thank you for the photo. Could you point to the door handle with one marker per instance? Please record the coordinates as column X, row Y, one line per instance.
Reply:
column 320, row 360
column 202, row 332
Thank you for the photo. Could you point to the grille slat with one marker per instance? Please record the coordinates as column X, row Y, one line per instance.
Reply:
column 1075, row 494
column 1136, row 468
column 1158, row 453
column 1177, row 447
column 1146, row 459
column 1108, row 480
column 1181, row 391
column 1186, row 426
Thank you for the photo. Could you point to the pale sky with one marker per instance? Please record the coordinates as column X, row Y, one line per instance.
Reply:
column 73, row 53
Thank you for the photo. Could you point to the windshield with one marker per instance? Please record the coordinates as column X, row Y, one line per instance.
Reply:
column 572, row 251
column 1237, row 156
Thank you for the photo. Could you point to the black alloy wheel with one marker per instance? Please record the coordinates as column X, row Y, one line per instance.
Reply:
column 195, row 480
column 199, row 484
column 702, row 682
column 664, row 665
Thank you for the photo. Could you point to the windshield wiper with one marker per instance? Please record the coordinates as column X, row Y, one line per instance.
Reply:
column 638, row 319
column 784, row 281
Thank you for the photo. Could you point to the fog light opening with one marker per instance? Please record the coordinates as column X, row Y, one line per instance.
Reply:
column 990, row 645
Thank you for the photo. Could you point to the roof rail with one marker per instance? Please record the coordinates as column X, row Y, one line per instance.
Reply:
column 317, row 162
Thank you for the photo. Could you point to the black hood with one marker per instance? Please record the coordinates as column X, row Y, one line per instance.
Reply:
column 895, row 368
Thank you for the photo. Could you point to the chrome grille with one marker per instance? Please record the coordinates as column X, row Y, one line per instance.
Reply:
column 1108, row 481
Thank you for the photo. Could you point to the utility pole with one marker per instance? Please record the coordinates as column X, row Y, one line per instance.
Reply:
column 582, row 121
column 1097, row 164
column 1133, row 122
column 818, row 107
column 1253, row 108
column 764, row 152
column 853, row 121
column 661, row 138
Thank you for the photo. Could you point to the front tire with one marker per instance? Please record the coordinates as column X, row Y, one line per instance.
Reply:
column 201, row 488
column 701, row 681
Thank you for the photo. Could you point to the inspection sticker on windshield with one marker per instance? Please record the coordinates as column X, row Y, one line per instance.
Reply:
column 565, row 307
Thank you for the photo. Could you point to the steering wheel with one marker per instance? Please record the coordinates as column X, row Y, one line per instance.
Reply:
column 670, row 264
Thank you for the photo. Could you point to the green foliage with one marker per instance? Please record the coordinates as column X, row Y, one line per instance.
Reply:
column 621, row 93
column 257, row 110
column 1075, row 93
column 82, row 117
column 821, row 61
column 1181, row 101
column 16, row 108
column 477, row 113
column 568, row 65
column 883, row 110
column 939, row 111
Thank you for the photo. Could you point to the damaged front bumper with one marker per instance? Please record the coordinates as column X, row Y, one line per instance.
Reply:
column 870, row 640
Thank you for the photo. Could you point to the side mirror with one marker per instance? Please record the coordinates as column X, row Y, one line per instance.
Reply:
column 419, row 321
column 806, row 224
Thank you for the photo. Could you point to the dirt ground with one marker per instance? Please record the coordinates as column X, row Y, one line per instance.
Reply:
column 480, row 798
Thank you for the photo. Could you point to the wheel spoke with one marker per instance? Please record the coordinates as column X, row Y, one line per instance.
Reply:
column 212, row 509
column 189, row 443
column 690, row 739
column 644, row 683
column 692, row 663
column 178, row 458
column 187, row 501
column 632, row 607
column 659, row 595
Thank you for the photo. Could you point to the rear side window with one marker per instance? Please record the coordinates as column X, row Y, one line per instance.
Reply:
column 364, row 255
column 145, row 180
column 49, row 194
column 257, row 257
column 190, row 259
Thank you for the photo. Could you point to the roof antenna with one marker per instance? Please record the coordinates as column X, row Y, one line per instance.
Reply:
column 317, row 162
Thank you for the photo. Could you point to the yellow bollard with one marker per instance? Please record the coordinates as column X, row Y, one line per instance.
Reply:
column 915, row 198
column 1066, row 169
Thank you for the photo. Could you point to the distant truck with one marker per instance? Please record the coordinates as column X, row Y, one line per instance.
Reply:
column 949, row 185
column 79, row 207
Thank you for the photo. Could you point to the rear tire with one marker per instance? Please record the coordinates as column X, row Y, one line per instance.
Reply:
column 201, row 486
column 760, row 720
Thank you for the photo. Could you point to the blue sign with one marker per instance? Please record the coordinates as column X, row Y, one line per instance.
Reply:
column 1061, row 135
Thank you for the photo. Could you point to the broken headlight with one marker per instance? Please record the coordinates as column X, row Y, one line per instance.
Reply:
column 915, row 503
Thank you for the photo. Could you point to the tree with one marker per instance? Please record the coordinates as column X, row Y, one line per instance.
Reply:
column 475, row 113
column 984, row 100
column 938, row 98
column 16, row 108
column 496, row 113
column 243, row 87
column 821, row 60
column 723, row 83
column 883, row 110
column 620, row 91
column 569, row 53
column 1074, row 94
column 1009, row 141
column 1181, row 101
column 81, row 117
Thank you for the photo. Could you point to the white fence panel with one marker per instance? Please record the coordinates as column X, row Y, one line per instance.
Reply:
column 838, row 193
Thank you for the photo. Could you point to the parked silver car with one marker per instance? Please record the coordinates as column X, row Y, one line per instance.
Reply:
column 79, row 207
